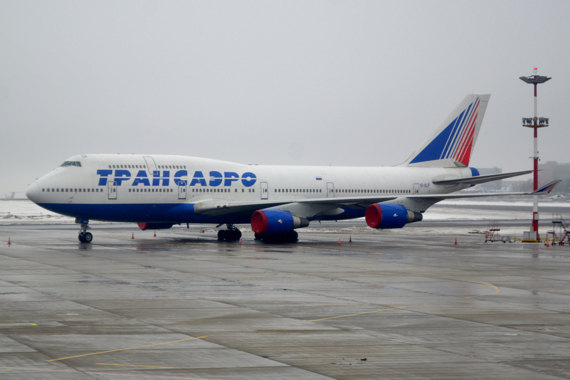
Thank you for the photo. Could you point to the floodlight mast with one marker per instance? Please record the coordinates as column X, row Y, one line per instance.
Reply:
column 535, row 123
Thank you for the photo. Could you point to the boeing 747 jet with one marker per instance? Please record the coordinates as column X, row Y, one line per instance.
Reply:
column 159, row 191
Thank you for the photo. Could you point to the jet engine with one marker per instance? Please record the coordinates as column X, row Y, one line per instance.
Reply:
column 275, row 222
column 387, row 215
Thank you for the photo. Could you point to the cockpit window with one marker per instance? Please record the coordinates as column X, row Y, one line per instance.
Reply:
column 71, row 163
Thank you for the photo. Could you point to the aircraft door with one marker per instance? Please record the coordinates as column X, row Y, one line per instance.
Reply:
column 330, row 189
column 182, row 192
column 416, row 188
column 111, row 190
column 264, row 190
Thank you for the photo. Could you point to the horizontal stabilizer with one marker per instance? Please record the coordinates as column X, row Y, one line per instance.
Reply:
column 548, row 187
column 480, row 179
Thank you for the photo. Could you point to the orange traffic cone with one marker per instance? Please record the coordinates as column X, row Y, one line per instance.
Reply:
column 9, row 241
column 339, row 243
column 154, row 233
column 455, row 241
column 133, row 236
column 350, row 240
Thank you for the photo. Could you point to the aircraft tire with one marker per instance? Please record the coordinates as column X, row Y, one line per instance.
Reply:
column 292, row 237
column 222, row 235
column 85, row 237
column 232, row 235
column 88, row 237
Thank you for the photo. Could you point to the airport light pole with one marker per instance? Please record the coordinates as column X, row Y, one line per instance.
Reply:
column 535, row 123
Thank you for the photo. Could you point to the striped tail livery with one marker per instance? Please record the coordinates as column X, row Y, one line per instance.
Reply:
column 452, row 144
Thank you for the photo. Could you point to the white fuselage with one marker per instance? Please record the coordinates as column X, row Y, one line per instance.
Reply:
column 139, row 187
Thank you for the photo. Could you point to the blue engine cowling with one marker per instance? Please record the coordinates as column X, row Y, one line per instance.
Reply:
column 275, row 222
column 154, row 226
column 387, row 215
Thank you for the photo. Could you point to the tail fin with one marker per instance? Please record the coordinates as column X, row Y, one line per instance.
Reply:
column 453, row 142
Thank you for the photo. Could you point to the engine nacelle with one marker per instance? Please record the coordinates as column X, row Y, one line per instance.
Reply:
column 275, row 222
column 387, row 215
column 154, row 226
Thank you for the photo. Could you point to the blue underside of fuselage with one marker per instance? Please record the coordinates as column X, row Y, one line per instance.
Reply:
column 164, row 213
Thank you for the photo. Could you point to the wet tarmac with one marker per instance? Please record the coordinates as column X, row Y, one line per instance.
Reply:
column 396, row 304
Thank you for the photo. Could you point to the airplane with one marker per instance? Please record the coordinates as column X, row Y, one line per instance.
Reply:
column 159, row 191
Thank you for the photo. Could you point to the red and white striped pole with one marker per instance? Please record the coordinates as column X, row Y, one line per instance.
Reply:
column 535, row 173
column 535, row 123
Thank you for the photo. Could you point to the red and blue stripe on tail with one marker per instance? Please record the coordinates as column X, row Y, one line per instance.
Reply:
column 452, row 144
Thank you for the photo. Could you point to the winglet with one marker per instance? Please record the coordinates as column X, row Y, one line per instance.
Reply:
column 548, row 187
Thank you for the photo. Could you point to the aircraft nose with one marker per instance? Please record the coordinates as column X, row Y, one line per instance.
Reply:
column 33, row 192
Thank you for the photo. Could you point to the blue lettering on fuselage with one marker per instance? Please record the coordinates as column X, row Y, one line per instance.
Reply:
column 198, row 179
column 157, row 177
column 215, row 178
column 180, row 178
column 248, row 179
column 121, row 175
column 230, row 177
column 141, row 178
column 103, row 176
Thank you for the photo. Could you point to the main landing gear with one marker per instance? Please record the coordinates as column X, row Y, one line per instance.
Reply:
column 231, row 234
column 84, row 236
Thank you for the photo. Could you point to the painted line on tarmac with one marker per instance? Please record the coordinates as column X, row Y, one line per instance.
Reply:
column 496, row 289
column 2, row 325
column 127, row 348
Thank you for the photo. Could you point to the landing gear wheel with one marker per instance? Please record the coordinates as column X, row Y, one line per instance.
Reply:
column 232, row 234
column 292, row 237
column 85, row 237
column 88, row 237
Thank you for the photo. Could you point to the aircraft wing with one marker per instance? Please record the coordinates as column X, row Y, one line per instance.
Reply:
column 220, row 207
column 480, row 179
column 317, row 206
column 542, row 190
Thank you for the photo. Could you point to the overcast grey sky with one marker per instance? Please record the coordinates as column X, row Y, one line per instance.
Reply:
column 276, row 82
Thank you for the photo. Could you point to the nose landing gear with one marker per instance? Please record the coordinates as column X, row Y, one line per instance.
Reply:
column 84, row 236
